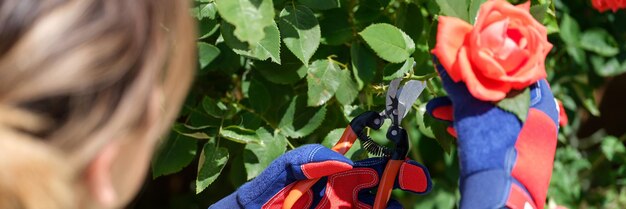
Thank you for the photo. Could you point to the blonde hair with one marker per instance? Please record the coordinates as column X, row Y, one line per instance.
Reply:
column 75, row 74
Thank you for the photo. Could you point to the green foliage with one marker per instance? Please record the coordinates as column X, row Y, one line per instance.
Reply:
column 274, row 75
column 517, row 102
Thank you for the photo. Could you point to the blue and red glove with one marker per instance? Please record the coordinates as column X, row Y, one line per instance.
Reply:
column 344, row 184
column 503, row 162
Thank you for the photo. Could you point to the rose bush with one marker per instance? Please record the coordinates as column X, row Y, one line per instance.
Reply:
column 504, row 50
column 604, row 5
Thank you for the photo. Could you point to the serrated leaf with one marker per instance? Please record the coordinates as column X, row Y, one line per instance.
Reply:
column 297, row 112
column 454, row 8
column 388, row 42
column 268, row 47
column 323, row 79
column 205, row 10
column 348, row 89
column 239, row 135
column 258, row 156
column 599, row 41
column 290, row 70
column 393, row 70
column 300, row 31
column 321, row 4
column 474, row 6
column 175, row 154
column 212, row 161
column 611, row 146
column 363, row 64
column 206, row 53
column 249, row 17
column 516, row 102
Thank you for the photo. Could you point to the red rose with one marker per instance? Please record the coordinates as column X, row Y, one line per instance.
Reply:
column 603, row 5
column 504, row 50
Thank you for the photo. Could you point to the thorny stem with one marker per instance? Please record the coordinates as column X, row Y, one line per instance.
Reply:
column 420, row 77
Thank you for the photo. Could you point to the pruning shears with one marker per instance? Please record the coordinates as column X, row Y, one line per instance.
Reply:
column 399, row 100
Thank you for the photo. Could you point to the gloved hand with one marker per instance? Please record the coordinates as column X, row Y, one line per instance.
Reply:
column 344, row 184
column 503, row 162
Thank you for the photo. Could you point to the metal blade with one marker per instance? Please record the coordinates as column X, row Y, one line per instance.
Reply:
column 392, row 93
column 408, row 94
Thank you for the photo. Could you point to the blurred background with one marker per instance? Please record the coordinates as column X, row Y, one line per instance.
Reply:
column 254, row 99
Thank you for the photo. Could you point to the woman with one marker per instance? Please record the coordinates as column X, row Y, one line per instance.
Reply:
column 86, row 90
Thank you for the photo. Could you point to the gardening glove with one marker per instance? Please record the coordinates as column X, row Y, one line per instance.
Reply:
column 503, row 161
column 355, row 188
column 342, row 185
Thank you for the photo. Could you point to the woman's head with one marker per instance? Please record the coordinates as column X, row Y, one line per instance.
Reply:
column 86, row 88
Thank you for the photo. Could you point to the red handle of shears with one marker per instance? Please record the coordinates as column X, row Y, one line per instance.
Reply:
column 343, row 145
column 386, row 184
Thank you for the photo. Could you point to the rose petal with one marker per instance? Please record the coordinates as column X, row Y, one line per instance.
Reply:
column 484, row 88
column 450, row 37
column 494, row 35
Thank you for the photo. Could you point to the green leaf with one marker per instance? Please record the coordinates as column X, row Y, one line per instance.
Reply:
column 389, row 42
column 410, row 20
column 218, row 109
column 611, row 146
column 321, row 4
column 454, row 8
column 207, row 27
column 434, row 128
column 363, row 64
column 239, row 135
column 323, row 80
column 517, row 102
column 300, row 31
column 175, row 154
column 607, row 67
column 258, row 156
column 193, row 132
column 393, row 71
column 539, row 11
column 473, row 9
column 249, row 17
column 212, row 161
column 569, row 30
column 335, row 27
column 599, row 41
column 585, row 94
column 309, row 119
column 348, row 89
column 259, row 97
column 268, row 47
column 579, row 55
column 290, row 70
column 206, row 53
column 205, row 10
column 424, row 124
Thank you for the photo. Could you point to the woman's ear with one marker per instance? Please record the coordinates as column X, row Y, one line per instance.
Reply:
column 99, row 181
